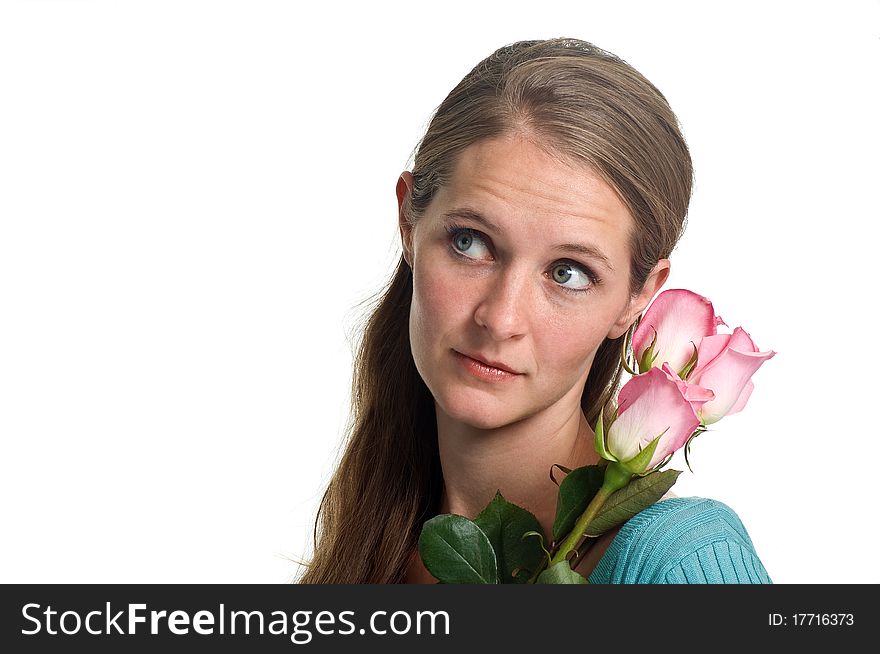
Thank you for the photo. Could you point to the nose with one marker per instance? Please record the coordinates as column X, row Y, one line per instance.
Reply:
column 502, row 311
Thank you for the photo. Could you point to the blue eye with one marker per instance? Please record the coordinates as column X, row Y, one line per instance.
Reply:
column 467, row 242
column 562, row 273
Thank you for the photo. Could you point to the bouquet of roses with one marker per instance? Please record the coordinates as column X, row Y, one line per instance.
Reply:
column 685, row 376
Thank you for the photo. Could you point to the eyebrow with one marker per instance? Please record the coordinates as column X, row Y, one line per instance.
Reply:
column 576, row 248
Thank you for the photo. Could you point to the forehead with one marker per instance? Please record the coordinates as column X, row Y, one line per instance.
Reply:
column 517, row 161
column 519, row 185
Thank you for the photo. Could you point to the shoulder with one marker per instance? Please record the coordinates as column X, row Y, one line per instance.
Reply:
column 682, row 540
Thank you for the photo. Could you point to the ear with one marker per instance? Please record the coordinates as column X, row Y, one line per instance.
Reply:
column 637, row 305
column 404, row 191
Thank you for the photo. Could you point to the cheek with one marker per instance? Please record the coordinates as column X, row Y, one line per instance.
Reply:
column 567, row 339
column 565, row 346
column 439, row 302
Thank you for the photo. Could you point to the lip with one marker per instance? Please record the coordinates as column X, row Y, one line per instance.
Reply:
column 486, row 368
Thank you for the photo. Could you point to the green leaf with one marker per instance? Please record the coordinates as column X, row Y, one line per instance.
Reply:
column 624, row 351
column 456, row 551
column 599, row 432
column 639, row 463
column 639, row 494
column 561, row 467
column 690, row 365
column 648, row 355
column 575, row 493
column 560, row 573
column 505, row 524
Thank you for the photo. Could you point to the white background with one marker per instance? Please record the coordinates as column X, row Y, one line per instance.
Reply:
column 195, row 196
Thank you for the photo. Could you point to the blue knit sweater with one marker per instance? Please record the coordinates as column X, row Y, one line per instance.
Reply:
column 681, row 540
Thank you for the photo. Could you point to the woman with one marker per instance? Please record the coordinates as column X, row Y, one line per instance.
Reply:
column 545, row 199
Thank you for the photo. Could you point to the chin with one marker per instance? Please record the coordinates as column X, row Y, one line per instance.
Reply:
column 465, row 406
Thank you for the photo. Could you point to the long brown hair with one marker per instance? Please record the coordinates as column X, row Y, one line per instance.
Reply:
column 587, row 106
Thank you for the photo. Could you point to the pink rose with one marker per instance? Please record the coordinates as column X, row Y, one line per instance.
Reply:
column 680, row 318
column 725, row 364
column 653, row 404
column 693, row 393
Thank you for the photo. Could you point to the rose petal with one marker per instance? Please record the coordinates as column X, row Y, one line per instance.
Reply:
column 743, row 398
column 727, row 375
column 741, row 341
column 693, row 393
column 681, row 319
column 708, row 350
column 650, row 404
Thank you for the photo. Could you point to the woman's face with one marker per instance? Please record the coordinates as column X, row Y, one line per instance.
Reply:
column 523, row 262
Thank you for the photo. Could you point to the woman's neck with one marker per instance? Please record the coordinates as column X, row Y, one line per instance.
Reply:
column 514, row 460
